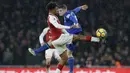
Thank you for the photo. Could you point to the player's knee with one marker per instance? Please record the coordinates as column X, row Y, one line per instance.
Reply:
column 47, row 64
column 58, row 58
column 76, row 37
column 65, row 58
column 69, row 53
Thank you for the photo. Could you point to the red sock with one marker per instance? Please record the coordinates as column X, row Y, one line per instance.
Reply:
column 59, row 66
column 88, row 38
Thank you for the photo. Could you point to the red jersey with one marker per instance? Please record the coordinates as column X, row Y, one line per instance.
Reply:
column 48, row 37
column 54, row 31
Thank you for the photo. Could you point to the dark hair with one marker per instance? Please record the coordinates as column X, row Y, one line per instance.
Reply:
column 51, row 5
column 62, row 6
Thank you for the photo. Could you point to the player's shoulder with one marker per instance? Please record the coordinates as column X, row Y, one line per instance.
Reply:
column 50, row 15
column 53, row 17
column 69, row 13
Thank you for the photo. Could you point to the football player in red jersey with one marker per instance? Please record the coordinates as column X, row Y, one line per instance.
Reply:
column 46, row 34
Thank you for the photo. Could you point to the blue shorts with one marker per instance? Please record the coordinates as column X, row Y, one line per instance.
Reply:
column 71, row 47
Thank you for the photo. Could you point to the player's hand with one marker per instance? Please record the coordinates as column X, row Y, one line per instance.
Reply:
column 84, row 7
column 75, row 26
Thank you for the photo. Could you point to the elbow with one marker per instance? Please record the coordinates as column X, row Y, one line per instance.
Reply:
column 58, row 27
column 40, row 37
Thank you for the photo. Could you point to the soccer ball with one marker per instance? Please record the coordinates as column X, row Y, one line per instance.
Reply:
column 101, row 32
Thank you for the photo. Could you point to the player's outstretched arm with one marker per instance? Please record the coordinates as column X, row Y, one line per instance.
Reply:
column 53, row 21
column 64, row 31
column 83, row 7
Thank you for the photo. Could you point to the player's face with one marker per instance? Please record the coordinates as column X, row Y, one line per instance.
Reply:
column 61, row 11
column 55, row 11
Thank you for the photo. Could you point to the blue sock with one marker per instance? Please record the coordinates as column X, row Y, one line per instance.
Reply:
column 71, row 63
column 42, row 48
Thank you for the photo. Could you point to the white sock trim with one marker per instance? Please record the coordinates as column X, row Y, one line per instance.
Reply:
column 95, row 39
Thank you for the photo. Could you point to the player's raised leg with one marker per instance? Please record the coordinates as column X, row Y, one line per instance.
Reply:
column 64, row 39
column 42, row 48
column 86, row 38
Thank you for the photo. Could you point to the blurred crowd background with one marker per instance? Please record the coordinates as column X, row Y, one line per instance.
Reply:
column 22, row 21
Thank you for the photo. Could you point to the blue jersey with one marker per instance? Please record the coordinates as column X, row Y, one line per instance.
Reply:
column 70, row 19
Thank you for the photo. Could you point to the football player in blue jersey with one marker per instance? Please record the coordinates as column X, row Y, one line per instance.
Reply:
column 70, row 19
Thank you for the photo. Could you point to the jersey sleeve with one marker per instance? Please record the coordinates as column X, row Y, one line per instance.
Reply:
column 71, row 16
column 76, row 10
column 42, row 35
column 54, row 21
column 64, row 31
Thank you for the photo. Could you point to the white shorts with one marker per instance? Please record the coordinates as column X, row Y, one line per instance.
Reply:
column 61, row 49
column 60, row 43
column 49, row 53
column 63, row 40
column 52, row 52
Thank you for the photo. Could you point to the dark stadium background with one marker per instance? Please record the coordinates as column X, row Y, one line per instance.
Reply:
column 22, row 21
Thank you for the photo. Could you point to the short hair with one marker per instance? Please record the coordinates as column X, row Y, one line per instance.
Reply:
column 62, row 6
column 51, row 5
